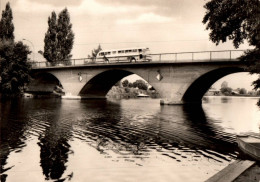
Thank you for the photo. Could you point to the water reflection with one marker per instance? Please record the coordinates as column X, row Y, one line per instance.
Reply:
column 12, row 132
column 216, row 138
column 224, row 99
column 54, row 156
column 108, row 129
column 65, row 134
column 173, row 130
column 53, row 140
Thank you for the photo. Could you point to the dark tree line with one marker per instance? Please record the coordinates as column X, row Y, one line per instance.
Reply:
column 14, row 67
column 140, row 84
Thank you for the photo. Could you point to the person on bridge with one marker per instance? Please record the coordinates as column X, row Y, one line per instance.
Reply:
column 106, row 59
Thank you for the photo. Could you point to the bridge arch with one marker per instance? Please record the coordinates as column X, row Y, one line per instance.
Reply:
column 99, row 85
column 200, row 86
column 43, row 82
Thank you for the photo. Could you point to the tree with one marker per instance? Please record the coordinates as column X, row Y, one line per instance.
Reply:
column 65, row 37
column 140, row 84
column 242, row 91
column 130, row 85
column 236, row 20
column 118, row 84
column 224, row 84
column 14, row 68
column 226, row 90
column 50, row 40
column 59, row 38
column 125, row 83
column 6, row 25
column 94, row 52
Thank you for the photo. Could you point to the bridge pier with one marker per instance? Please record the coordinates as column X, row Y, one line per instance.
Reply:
column 172, row 83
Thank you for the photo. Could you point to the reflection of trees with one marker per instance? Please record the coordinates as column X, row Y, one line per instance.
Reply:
column 54, row 147
column 224, row 100
column 53, row 155
column 17, row 116
column 12, row 131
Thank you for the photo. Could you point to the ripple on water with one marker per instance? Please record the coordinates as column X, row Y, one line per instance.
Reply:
column 79, row 136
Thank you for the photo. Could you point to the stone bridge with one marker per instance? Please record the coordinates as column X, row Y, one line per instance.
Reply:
column 177, row 81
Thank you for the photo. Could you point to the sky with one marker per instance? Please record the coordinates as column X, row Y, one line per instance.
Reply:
column 162, row 25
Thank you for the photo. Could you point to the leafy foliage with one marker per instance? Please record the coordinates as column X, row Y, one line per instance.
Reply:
column 242, row 91
column 140, row 84
column 125, row 83
column 65, row 37
column 6, row 24
column 50, row 48
column 236, row 20
column 14, row 68
column 95, row 52
column 59, row 38
column 226, row 90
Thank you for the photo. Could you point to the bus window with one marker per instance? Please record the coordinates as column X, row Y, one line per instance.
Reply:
column 139, row 53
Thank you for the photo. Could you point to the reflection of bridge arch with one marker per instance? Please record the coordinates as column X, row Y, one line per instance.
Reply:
column 43, row 82
column 200, row 86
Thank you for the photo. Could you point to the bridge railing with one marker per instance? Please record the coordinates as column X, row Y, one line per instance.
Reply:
column 202, row 56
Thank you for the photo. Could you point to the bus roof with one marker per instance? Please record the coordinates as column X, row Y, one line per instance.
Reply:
column 131, row 48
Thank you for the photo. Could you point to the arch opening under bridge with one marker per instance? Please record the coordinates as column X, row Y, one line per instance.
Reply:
column 43, row 83
column 201, row 85
column 100, row 85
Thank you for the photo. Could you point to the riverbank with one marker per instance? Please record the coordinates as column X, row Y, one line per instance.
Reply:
column 231, row 95
column 127, row 93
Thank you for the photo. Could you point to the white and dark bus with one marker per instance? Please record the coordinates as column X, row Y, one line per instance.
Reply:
column 124, row 55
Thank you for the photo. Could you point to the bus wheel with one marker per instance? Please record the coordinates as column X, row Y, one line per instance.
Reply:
column 133, row 60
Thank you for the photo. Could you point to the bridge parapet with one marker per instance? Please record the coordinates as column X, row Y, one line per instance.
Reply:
column 176, row 81
column 202, row 56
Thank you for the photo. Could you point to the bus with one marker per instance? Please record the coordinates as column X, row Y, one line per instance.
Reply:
column 135, row 54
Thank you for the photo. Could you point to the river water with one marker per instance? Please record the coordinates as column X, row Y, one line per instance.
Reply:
column 121, row 140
